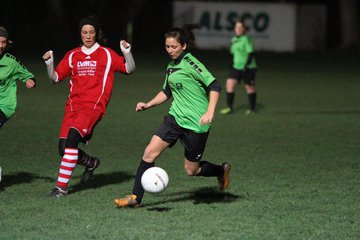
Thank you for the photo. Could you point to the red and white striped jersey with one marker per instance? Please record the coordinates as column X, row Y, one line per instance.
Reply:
column 92, row 76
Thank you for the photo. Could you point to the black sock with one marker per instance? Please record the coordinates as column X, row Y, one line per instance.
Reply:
column 138, row 189
column 85, row 160
column 208, row 169
column 252, row 100
column 230, row 99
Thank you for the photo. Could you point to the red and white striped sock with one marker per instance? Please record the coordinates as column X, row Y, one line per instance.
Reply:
column 68, row 164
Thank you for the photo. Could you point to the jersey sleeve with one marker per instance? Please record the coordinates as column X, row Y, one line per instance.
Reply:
column 64, row 68
column 248, row 45
column 201, row 73
column 118, row 62
column 22, row 73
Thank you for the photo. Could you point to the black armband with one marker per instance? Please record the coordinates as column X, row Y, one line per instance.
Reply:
column 214, row 86
column 249, row 59
column 167, row 91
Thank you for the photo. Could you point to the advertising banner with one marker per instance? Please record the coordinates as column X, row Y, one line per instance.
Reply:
column 272, row 26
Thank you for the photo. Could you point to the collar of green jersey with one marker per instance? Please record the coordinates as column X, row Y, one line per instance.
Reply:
column 178, row 60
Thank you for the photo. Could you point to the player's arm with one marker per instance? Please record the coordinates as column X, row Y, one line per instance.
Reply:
column 160, row 98
column 249, row 59
column 49, row 61
column 214, row 93
column 249, row 49
column 24, row 75
column 129, row 60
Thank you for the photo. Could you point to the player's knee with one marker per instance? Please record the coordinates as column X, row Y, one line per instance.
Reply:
column 150, row 154
column 250, row 88
column 231, row 84
column 73, row 138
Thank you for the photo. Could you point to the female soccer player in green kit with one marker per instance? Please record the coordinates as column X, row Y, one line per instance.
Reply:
column 243, row 67
column 195, row 94
column 11, row 70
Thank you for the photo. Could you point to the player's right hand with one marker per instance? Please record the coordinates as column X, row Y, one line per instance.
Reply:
column 48, row 55
column 140, row 106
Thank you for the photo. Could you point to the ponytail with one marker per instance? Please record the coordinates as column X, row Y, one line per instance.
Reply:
column 183, row 35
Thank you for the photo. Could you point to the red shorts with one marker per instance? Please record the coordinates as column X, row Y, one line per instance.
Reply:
column 83, row 121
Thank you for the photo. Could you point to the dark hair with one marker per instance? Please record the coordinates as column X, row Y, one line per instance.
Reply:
column 183, row 35
column 4, row 33
column 93, row 21
column 242, row 23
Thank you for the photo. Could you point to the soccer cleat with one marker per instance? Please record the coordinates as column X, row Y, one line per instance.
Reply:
column 0, row 173
column 58, row 192
column 223, row 179
column 226, row 110
column 88, row 172
column 127, row 201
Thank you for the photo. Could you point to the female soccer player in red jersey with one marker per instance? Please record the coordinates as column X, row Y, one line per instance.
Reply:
column 91, row 69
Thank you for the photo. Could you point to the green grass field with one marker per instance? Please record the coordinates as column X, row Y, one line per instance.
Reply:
column 295, row 164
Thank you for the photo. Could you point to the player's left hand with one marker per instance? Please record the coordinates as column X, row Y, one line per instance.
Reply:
column 206, row 118
column 30, row 83
column 125, row 46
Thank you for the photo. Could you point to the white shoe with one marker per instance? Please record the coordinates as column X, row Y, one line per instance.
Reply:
column 0, row 173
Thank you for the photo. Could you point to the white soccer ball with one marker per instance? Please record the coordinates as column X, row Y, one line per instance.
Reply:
column 155, row 180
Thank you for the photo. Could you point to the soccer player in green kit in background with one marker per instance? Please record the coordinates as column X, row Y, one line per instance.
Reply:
column 243, row 67
column 11, row 70
column 195, row 94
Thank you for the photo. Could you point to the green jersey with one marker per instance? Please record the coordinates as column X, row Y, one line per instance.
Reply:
column 241, row 47
column 187, row 79
column 11, row 70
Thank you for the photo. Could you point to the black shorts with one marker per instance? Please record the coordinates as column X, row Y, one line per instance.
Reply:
column 3, row 118
column 194, row 143
column 248, row 75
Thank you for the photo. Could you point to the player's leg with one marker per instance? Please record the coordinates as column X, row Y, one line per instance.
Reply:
column 194, row 144
column 233, row 79
column 166, row 136
column 87, row 121
column 230, row 95
column 3, row 118
column 90, row 163
column 152, row 151
column 208, row 169
column 249, row 84
column 61, row 146
column 68, row 162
